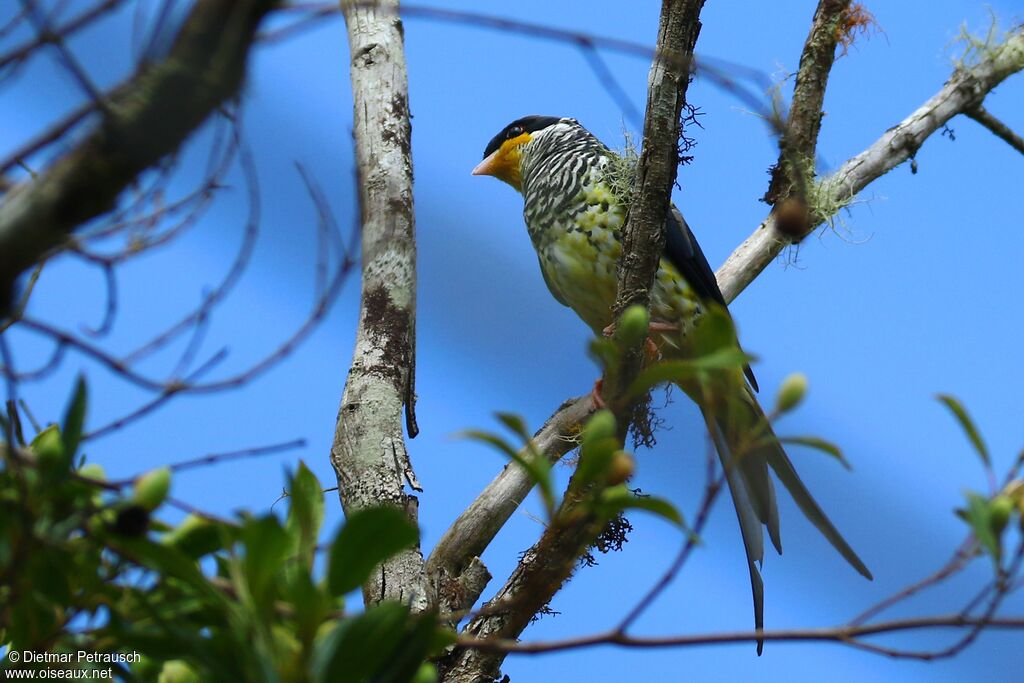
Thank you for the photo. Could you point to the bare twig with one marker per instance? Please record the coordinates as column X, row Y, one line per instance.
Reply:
column 217, row 458
column 961, row 558
column 204, row 68
column 712, row 487
column 998, row 128
column 65, row 31
column 845, row 635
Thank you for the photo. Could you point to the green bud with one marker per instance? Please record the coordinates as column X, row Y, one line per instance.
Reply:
column 152, row 487
column 633, row 325
column 93, row 470
column 620, row 468
column 791, row 393
column 999, row 512
column 599, row 427
column 177, row 671
column 427, row 673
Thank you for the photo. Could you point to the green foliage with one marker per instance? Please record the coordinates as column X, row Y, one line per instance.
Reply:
column 714, row 363
column 979, row 515
column 84, row 565
column 368, row 538
column 988, row 517
column 818, row 444
column 534, row 463
column 970, row 430
column 619, row 499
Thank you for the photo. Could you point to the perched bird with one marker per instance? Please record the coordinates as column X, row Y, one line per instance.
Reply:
column 574, row 209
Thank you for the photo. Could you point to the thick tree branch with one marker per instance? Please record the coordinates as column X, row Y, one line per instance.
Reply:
column 145, row 119
column 549, row 563
column 964, row 91
column 466, row 539
column 369, row 452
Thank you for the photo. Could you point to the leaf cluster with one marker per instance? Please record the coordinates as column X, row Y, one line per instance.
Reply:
column 86, row 564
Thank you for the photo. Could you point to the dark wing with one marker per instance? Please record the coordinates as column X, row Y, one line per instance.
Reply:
column 684, row 253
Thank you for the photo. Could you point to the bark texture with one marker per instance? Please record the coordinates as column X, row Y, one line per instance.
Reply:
column 369, row 452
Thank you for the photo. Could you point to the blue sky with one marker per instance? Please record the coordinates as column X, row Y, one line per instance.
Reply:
column 916, row 294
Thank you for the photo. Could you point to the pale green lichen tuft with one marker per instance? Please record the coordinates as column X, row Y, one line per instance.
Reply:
column 994, row 45
column 825, row 201
column 621, row 170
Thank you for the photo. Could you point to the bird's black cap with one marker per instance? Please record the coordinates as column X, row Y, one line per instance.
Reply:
column 527, row 124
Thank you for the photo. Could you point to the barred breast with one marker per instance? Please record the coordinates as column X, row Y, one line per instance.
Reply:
column 578, row 247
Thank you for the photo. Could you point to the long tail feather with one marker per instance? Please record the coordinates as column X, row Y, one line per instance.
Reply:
column 750, row 526
column 747, row 446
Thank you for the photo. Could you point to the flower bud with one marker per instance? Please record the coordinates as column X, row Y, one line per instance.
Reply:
column 791, row 393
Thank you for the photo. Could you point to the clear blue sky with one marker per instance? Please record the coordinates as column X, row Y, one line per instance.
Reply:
column 917, row 294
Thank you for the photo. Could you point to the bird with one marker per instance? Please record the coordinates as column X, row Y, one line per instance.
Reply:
column 574, row 205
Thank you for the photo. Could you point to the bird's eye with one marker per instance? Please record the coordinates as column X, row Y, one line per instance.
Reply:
column 514, row 132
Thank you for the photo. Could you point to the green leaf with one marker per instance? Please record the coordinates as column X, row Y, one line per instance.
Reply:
column 368, row 538
column 714, row 332
column 967, row 425
column 196, row 536
column 534, row 463
column 74, row 420
column 306, row 513
column 979, row 517
column 310, row 602
column 597, row 450
column 819, row 444
column 515, row 423
column 266, row 548
column 384, row 645
column 48, row 445
column 167, row 562
column 681, row 370
column 619, row 498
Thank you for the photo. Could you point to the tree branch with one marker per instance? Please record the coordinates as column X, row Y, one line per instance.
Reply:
column 800, row 139
column 466, row 539
column 998, row 128
column 643, row 235
column 148, row 117
column 369, row 452
column 964, row 91
column 839, row 634
column 549, row 563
